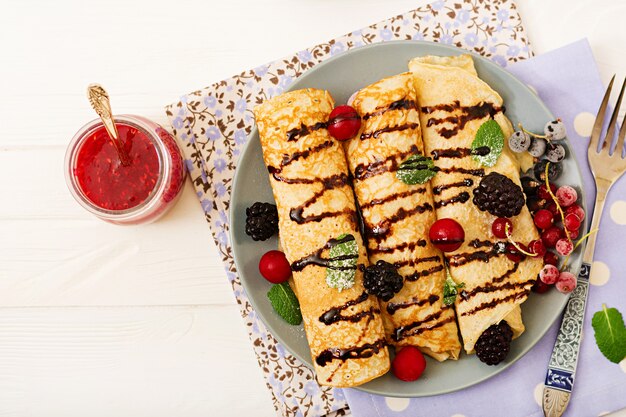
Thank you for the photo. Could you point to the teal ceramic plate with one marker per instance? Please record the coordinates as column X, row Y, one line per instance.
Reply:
column 342, row 75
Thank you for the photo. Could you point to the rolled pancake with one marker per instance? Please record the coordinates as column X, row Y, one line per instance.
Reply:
column 311, row 186
column 397, row 217
column 454, row 104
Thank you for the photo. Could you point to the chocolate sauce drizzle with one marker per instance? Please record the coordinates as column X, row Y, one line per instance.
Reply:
column 487, row 288
column 417, row 261
column 459, row 152
column 364, row 351
column 414, row 328
column 459, row 198
column 467, row 182
column 393, row 197
column 393, row 307
column 389, row 164
column 468, row 114
column 475, row 172
column 404, row 245
column 381, row 230
column 402, row 104
column 375, row 134
column 477, row 243
column 494, row 303
column 420, row 274
column 298, row 132
column 334, row 315
column 334, row 181
column 316, row 257
column 481, row 255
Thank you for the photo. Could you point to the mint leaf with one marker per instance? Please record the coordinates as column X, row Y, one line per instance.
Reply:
column 342, row 257
column 285, row 303
column 488, row 137
column 450, row 289
column 416, row 169
column 610, row 333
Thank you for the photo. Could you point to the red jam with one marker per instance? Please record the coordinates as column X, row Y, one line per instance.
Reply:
column 105, row 181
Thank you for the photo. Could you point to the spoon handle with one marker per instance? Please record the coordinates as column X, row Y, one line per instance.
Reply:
column 99, row 99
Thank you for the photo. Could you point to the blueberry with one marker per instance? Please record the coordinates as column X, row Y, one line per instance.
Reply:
column 555, row 130
column 554, row 171
column 537, row 147
column 519, row 141
column 556, row 153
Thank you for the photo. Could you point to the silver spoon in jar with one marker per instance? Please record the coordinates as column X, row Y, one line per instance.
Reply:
column 99, row 99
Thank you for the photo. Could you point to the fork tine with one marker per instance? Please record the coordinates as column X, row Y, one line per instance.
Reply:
column 619, row 146
column 597, row 126
column 613, row 123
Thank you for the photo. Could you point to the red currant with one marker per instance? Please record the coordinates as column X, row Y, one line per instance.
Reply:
column 537, row 247
column 573, row 234
column 552, row 208
column 566, row 282
column 408, row 364
column 344, row 123
column 550, row 258
column 564, row 247
column 550, row 236
column 514, row 254
column 542, row 192
column 566, row 195
column 549, row 274
column 577, row 210
column 275, row 267
column 499, row 227
column 543, row 219
column 447, row 235
column 540, row 287
column 572, row 222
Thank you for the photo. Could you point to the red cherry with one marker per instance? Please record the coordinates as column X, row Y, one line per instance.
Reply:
column 572, row 222
column 275, row 267
column 550, row 258
column 543, row 219
column 540, row 287
column 514, row 254
column 447, row 235
column 344, row 123
column 577, row 210
column 537, row 247
column 499, row 226
column 550, row 236
column 408, row 364
column 542, row 191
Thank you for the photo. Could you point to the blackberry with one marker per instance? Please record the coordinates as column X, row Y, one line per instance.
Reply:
column 494, row 344
column 261, row 221
column 498, row 195
column 382, row 280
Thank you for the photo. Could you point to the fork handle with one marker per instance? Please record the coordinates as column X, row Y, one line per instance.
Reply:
column 562, row 366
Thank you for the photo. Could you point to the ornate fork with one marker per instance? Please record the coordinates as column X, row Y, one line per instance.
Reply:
column 607, row 166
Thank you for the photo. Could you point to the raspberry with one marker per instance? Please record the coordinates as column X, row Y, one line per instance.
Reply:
column 543, row 219
column 537, row 247
column 499, row 226
column 577, row 210
column 564, row 247
column 566, row 195
column 572, row 222
column 566, row 282
column 550, row 236
column 549, row 274
column 408, row 364
column 550, row 258
column 275, row 267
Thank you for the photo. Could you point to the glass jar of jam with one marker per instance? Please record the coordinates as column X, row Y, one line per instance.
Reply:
column 139, row 192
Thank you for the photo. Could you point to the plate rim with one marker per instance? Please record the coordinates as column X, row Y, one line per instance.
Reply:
column 295, row 85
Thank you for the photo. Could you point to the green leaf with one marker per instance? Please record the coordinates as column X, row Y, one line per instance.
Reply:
column 610, row 332
column 450, row 289
column 416, row 169
column 342, row 258
column 285, row 303
column 489, row 136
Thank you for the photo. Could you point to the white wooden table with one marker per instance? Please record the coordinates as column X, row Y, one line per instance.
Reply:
column 102, row 320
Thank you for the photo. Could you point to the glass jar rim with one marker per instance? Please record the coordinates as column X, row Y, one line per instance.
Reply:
column 117, row 215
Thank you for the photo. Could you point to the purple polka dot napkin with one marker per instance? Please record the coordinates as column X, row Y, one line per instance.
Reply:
column 212, row 125
column 567, row 81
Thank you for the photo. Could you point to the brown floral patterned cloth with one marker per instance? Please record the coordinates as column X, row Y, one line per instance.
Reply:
column 212, row 126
